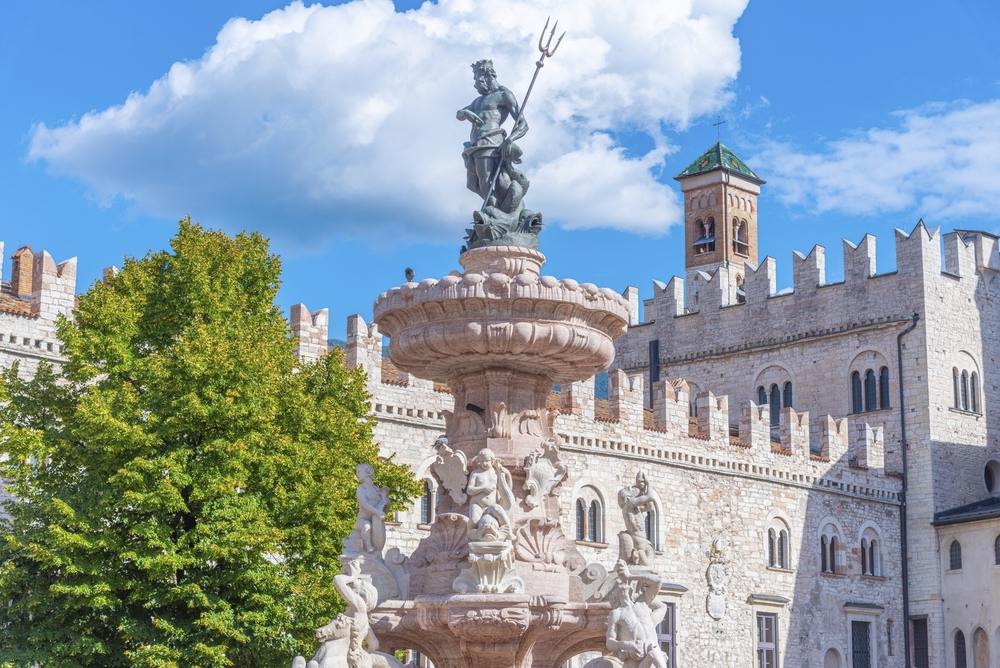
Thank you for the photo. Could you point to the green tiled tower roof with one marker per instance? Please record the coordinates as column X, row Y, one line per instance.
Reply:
column 719, row 157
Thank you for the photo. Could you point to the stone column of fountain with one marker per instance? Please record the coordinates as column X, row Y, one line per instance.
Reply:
column 497, row 584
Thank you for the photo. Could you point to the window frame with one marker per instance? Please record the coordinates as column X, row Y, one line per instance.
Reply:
column 974, row 393
column 762, row 646
column 920, row 651
column 666, row 633
column 857, row 393
column 867, row 624
column 871, row 391
column 958, row 642
column 954, row 555
column 884, row 399
column 428, row 508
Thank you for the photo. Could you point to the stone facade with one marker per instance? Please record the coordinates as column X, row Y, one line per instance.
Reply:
column 831, row 466
column 799, row 516
column 31, row 302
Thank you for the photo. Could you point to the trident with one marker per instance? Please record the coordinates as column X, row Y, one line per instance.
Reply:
column 547, row 52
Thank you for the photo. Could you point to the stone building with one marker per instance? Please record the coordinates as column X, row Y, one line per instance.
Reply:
column 770, row 429
column 38, row 292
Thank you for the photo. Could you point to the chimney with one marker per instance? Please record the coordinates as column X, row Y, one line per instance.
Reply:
column 20, row 272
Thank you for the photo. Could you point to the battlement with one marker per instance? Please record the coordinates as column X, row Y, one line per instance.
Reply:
column 310, row 330
column 39, row 287
column 708, row 318
column 842, row 454
column 364, row 349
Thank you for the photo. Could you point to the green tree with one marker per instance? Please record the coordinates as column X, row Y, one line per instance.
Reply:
column 183, row 483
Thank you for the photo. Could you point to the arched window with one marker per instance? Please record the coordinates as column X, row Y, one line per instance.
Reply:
column 427, row 504
column 775, row 406
column 783, row 560
column 955, row 554
column 823, row 555
column 965, row 390
column 883, row 388
column 772, row 548
column 593, row 521
column 954, row 382
column 974, row 391
column 652, row 526
column 581, row 520
column 741, row 291
column 871, row 399
column 786, row 394
column 865, row 567
column 741, row 245
column 705, row 243
column 960, row 657
column 761, row 396
column 857, row 406
column 874, row 558
column 833, row 554
column 996, row 551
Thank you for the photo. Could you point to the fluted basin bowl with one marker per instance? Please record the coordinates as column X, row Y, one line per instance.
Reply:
column 501, row 313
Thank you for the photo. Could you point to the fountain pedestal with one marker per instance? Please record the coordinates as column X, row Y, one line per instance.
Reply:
column 505, row 588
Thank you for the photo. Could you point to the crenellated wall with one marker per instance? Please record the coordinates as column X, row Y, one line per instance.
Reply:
column 30, row 304
column 708, row 485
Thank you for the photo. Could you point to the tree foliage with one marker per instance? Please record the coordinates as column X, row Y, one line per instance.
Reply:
column 183, row 483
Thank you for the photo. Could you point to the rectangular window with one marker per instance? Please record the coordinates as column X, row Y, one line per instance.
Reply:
column 767, row 640
column 921, row 658
column 666, row 634
column 861, row 648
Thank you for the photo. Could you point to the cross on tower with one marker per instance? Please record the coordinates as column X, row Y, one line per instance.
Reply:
column 719, row 127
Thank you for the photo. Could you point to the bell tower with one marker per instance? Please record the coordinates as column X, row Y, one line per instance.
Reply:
column 720, row 222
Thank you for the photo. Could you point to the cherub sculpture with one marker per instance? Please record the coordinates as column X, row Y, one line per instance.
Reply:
column 491, row 498
column 373, row 502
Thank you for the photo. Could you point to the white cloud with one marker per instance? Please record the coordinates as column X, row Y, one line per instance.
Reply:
column 942, row 162
column 321, row 121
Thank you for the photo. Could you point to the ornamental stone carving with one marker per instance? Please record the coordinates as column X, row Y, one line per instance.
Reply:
column 451, row 469
column 545, row 472
column 633, row 546
column 542, row 543
column 717, row 576
column 490, row 530
column 635, row 615
column 348, row 641
column 363, row 547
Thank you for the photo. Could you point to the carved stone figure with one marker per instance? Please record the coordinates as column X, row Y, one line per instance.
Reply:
column 717, row 575
column 365, row 544
column 635, row 615
column 373, row 502
column 545, row 472
column 490, row 157
column 348, row 641
column 633, row 546
column 491, row 498
column 490, row 530
column 451, row 468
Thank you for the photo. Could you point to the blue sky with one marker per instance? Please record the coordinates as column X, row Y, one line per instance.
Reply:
column 332, row 129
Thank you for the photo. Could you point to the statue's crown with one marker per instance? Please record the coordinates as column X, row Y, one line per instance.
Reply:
column 484, row 66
